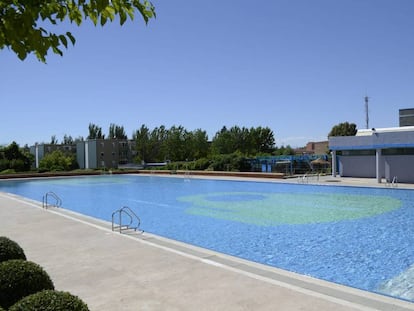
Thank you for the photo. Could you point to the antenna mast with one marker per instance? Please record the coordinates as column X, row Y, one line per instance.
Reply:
column 366, row 112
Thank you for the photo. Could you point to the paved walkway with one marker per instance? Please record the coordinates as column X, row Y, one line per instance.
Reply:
column 110, row 271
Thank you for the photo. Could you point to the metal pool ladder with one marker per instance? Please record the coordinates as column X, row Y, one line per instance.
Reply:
column 54, row 196
column 125, row 219
column 392, row 183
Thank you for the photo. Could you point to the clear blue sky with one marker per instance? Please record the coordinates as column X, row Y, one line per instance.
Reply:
column 297, row 66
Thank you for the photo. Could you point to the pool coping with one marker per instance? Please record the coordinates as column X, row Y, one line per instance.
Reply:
column 337, row 293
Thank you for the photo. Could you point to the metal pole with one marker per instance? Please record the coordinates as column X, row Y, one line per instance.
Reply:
column 366, row 112
column 120, row 222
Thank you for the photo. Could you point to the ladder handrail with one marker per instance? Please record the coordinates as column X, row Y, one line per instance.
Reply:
column 58, row 200
column 125, row 210
column 394, row 182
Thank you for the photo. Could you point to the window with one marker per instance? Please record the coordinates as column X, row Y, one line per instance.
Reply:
column 398, row 151
column 370, row 152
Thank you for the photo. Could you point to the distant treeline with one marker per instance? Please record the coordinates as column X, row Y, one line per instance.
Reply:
column 179, row 144
column 228, row 149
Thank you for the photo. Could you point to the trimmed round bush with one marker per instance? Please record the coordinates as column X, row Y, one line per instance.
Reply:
column 9, row 249
column 50, row 300
column 20, row 278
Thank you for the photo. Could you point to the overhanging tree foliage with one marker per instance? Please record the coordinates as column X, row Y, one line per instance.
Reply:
column 23, row 23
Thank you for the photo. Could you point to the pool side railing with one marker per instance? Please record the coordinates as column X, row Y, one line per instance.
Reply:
column 308, row 178
column 118, row 220
column 393, row 183
column 57, row 199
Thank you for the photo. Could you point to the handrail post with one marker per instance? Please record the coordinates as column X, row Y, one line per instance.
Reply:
column 120, row 221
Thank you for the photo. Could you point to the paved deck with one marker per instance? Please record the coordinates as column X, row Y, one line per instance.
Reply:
column 112, row 271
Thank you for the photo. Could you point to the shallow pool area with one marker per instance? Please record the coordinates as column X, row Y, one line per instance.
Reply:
column 359, row 237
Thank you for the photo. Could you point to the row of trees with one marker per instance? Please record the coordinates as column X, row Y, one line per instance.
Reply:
column 179, row 144
column 174, row 144
column 228, row 149
column 95, row 132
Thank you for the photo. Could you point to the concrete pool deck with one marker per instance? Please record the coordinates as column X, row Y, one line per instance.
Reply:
column 112, row 271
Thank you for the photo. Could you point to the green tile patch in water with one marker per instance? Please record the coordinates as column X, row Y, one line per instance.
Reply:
column 269, row 209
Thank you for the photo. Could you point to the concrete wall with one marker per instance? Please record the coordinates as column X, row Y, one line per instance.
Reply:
column 92, row 154
column 400, row 166
column 80, row 154
column 357, row 166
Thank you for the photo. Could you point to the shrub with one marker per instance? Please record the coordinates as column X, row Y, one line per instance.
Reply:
column 10, row 250
column 201, row 164
column 19, row 278
column 8, row 171
column 50, row 300
column 230, row 162
column 58, row 161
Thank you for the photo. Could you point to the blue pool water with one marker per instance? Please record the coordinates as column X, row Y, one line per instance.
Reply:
column 359, row 237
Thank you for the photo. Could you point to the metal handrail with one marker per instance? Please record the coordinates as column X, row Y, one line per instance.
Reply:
column 58, row 200
column 133, row 222
column 303, row 179
column 394, row 182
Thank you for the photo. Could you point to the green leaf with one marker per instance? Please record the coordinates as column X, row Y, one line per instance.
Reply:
column 57, row 50
column 62, row 12
column 71, row 38
column 122, row 17
column 94, row 17
column 79, row 18
column 103, row 19
column 110, row 12
column 64, row 41
column 101, row 5
column 130, row 12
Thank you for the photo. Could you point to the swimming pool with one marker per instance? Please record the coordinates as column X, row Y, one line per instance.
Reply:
column 359, row 237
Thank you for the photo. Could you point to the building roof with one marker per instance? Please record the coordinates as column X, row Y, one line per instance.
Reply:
column 369, row 132
column 382, row 138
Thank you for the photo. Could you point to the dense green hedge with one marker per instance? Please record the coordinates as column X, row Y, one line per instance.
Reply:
column 9, row 249
column 50, row 300
column 19, row 278
column 221, row 162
